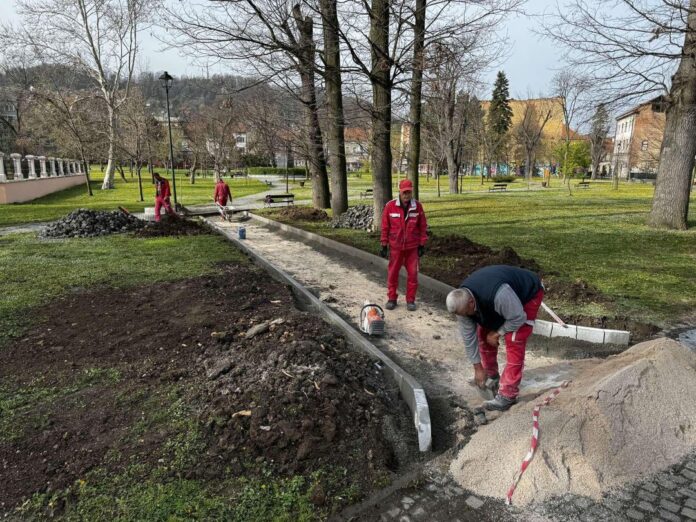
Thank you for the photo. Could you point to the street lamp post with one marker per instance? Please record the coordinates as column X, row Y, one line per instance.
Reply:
column 167, row 80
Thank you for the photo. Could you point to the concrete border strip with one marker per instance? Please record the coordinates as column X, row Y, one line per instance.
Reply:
column 410, row 389
column 541, row 327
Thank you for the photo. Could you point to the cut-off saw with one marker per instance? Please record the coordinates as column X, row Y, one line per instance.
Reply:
column 372, row 319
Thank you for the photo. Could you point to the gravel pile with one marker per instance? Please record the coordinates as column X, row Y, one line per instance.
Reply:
column 90, row 223
column 359, row 217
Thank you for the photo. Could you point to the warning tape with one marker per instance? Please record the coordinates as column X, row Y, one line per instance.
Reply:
column 535, row 440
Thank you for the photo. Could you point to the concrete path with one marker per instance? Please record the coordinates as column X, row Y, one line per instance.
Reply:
column 24, row 228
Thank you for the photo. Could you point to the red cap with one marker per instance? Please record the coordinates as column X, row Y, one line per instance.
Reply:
column 405, row 185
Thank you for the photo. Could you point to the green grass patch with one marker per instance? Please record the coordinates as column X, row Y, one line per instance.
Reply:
column 35, row 271
column 124, row 194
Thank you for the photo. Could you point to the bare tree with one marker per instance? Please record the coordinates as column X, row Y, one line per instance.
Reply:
column 598, row 136
column 529, row 131
column 98, row 38
column 638, row 48
column 571, row 90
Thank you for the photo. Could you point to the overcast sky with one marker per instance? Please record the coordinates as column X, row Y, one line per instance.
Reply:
column 530, row 65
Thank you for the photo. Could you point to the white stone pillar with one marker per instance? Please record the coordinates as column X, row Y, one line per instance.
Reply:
column 32, row 167
column 52, row 162
column 61, row 172
column 42, row 164
column 79, row 167
column 3, row 176
column 17, row 164
column 73, row 170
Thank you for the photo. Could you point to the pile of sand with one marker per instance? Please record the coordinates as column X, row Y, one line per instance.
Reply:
column 631, row 415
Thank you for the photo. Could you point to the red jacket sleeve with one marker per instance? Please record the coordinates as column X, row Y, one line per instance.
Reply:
column 165, row 189
column 385, row 225
column 422, row 227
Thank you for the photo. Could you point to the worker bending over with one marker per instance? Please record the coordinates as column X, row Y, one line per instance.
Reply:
column 492, row 302
column 162, row 195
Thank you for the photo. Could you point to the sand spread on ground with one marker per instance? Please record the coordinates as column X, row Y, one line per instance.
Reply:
column 631, row 415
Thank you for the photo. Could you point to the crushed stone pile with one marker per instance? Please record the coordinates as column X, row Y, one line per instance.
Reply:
column 630, row 416
column 90, row 223
column 359, row 217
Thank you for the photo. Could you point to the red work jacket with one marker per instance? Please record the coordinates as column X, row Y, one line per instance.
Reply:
column 162, row 188
column 222, row 193
column 402, row 232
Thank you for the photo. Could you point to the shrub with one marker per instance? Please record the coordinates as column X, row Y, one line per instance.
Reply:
column 292, row 172
column 503, row 179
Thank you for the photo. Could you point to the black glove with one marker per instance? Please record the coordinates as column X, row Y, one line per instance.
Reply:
column 384, row 252
column 421, row 251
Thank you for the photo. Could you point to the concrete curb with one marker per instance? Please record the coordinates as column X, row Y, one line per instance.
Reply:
column 411, row 390
column 541, row 327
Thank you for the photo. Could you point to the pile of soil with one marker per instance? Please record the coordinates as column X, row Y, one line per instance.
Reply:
column 630, row 416
column 359, row 217
column 171, row 227
column 91, row 223
column 303, row 214
column 276, row 390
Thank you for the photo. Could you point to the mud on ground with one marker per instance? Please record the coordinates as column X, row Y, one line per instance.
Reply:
column 207, row 378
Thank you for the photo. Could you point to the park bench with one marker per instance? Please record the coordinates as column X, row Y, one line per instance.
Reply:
column 583, row 185
column 367, row 194
column 279, row 198
column 501, row 187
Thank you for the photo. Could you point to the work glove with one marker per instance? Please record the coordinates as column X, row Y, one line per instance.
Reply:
column 384, row 251
column 421, row 251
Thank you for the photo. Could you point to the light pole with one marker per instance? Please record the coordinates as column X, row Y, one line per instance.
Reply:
column 167, row 80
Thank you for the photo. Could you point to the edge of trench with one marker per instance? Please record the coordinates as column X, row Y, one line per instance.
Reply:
column 410, row 389
column 541, row 327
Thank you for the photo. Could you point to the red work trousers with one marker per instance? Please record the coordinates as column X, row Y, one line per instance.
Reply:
column 397, row 259
column 515, row 347
column 159, row 202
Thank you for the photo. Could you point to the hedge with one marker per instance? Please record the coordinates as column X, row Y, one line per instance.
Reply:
column 293, row 172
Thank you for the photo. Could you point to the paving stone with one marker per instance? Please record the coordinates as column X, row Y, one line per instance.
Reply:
column 691, row 465
column 679, row 479
column 691, row 475
column 407, row 502
column 686, row 492
column 690, row 502
column 613, row 505
column 646, row 506
column 650, row 486
column 418, row 512
column 670, row 517
column 474, row 502
column 405, row 519
column 635, row 515
column 666, row 483
column 689, row 513
column 644, row 495
column 583, row 503
column 623, row 495
column 394, row 512
column 669, row 506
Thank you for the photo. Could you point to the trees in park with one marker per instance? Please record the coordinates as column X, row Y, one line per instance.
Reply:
column 499, row 117
column 598, row 135
column 633, row 49
column 98, row 38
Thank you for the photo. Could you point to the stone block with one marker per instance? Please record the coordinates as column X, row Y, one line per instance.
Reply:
column 691, row 475
column 650, row 486
column 646, row 506
column 590, row 335
column 669, row 506
column 635, row 515
column 474, row 502
column 569, row 331
column 617, row 337
column 647, row 496
column 689, row 513
column 670, row 517
column 690, row 503
column 542, row 328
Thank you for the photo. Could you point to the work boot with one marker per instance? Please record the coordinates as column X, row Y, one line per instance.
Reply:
column 493, row 383
column 500, row 403
column 391, row 304
column 411, row 307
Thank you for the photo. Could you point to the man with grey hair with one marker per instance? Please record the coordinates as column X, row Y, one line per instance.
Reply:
column 497, row 301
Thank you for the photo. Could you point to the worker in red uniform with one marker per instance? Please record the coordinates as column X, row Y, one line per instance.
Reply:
column 222, row 193
column 162, row 195
column 403, row 241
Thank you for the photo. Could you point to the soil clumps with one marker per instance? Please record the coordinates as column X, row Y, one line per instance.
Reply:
column 294, row 213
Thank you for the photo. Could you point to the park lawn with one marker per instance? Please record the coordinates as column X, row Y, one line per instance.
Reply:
column 596, row 235
column 124, row 194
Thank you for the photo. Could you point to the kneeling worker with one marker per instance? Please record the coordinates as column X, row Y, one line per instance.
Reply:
column 497, row 301
column 404, row 232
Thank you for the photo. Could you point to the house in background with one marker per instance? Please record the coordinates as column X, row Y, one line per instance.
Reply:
column 638, row 138
column 357, row 141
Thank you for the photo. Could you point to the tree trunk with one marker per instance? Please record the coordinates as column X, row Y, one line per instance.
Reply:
column 529, row 165
column 108, row 182
column 380, row 77
column 416, row 95
column 670, row 205
column 452, row 170
column 86, row 166
column 334, row 98
column 193, row 169
column 315, row 144
column 138, row 169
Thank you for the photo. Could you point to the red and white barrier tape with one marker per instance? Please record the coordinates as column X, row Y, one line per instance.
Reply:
column 535, row 440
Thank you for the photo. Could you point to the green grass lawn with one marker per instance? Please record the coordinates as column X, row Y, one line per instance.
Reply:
column 597, row 235
column 124, row 194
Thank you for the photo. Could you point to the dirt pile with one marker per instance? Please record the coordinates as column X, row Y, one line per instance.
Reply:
column 303, row 214
column 91, row 223
column 629, row 416
column 171, row 227
column 359, row 217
